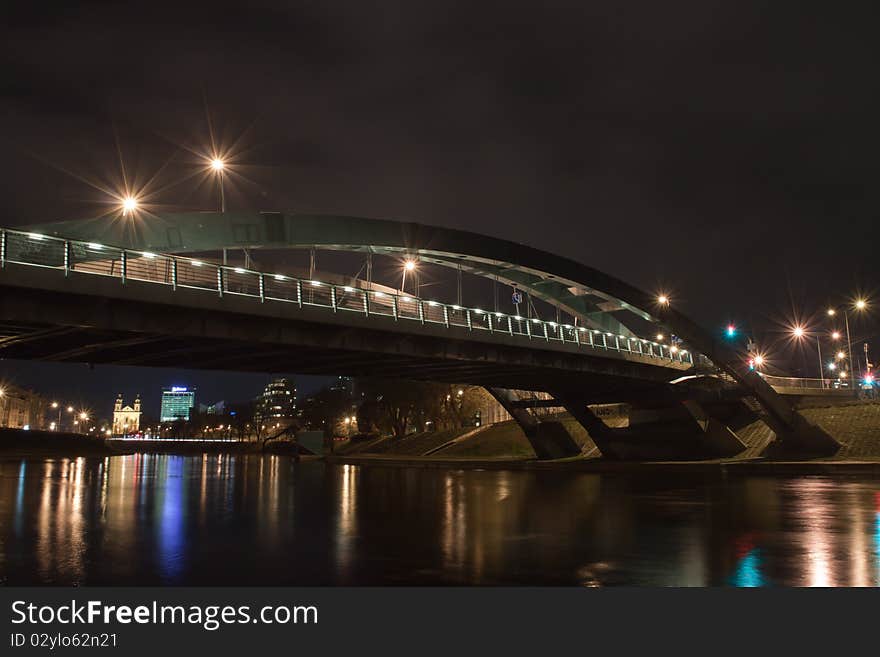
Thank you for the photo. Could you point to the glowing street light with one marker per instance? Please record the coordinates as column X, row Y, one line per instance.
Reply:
column 129, row 205
column 218, row 166
column 861, row 304
column 663, row 300
column 759, row 360
column 659, row 337
column 410, row 265
column 835, row 335
column 800, row 332
column 841, row 355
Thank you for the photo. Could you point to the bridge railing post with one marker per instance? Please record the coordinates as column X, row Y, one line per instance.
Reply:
column 66, row 257
column 2, row 249
column 262, row 285
column 333, row 297
column 123, row 265
column 467, row 316
column 546, row 335
column 446, row 315
column 421, row 311
column 174, row 273
column 299, row 293
column 220, row 280
column 366, row 303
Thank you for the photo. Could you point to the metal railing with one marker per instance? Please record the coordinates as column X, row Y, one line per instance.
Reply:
column 806, row 384
column 77, row 257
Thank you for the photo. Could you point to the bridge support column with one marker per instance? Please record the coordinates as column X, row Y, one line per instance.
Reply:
column 795, row 436
column 680, row 431
column 549, row 439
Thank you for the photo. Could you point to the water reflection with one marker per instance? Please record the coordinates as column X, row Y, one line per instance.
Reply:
column 219, row 519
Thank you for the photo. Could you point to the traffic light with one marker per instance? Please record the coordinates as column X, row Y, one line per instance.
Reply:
column 731, row 331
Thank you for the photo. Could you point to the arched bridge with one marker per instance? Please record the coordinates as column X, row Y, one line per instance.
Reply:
column 147, row 290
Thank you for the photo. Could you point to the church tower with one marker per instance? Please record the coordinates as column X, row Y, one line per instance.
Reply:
column 118, row 406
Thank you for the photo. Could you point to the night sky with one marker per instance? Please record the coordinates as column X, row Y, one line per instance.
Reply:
column 724, row 151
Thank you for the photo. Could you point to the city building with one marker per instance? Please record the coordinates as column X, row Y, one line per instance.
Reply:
column 126, row 419
column 177, row 403
column 277, row 404
column 21, row 409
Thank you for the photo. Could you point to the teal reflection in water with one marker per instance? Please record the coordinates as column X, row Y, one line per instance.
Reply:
column 748, row 570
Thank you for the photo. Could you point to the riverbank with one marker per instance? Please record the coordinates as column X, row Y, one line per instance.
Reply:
column 501, row 445
column 19, row 442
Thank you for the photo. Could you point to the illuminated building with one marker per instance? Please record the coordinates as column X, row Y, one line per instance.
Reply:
column 277, row 404
column 177, row 403
column 20, row 408
column 126, row 419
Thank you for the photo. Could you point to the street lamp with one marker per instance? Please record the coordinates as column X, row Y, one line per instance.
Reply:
column 410, row 266
column 663, row 300
column 129, row 204
column 218, row 166
column 800, row 332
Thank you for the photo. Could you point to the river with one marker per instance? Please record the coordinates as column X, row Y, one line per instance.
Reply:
column 265, row 520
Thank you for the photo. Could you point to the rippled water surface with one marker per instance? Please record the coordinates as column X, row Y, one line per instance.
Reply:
column 156, row 519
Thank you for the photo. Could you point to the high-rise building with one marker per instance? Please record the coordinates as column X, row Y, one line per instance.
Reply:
column 277, row 404
column 126, row 419
column 177, row 403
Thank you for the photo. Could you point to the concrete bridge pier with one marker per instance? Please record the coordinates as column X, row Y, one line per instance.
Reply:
column 683, row 430
column 550, row 439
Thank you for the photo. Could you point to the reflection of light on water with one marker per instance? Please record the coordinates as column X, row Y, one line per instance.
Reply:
column 19, row 499
column 748, row 570
column 454, row 528
column 171, row 530
column 346, row 527
column 858, row 535
column 816, row 514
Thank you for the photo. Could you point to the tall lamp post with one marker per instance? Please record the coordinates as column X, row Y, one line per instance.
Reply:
column 218, row 166
column 800, row 333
